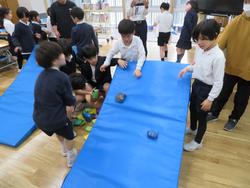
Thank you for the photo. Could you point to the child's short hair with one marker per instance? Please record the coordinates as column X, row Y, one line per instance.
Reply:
column 49, row 11
column 22, row 12
column 3, row 12
column 88, row 51
column 48, row 52
column 77, row 81
column 193, row 4
column 77, row 12
column 208, row 29
column 126, row 26
column 33, row 14
column 165, row 6
column 66, row 46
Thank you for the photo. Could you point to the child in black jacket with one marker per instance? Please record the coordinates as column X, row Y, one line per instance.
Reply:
column 22, row 36
column 90, row 68
column 38, row 32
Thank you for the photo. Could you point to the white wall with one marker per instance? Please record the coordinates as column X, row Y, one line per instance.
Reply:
column 38, row 5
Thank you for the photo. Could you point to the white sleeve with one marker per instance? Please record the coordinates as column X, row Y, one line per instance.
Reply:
column 157, row 20
column 141, row 55
column 115, row 49
column 218, row 74
column 145, row 13
column 9, row 27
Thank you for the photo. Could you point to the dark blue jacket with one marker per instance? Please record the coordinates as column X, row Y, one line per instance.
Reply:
column 190, row 22
column 23, row 37
column 53, row 93
column 83, row 34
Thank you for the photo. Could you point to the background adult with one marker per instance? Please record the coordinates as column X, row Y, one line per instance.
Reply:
column 60, row 18
column 137, row 13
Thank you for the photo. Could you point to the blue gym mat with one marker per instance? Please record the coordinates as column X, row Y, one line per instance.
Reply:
column 118, row 153
column 16, row 106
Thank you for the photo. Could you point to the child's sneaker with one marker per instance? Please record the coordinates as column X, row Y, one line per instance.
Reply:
column 192, row 146
column 230, row 125
column 211, row 117
column 191, row 132
column 71, row 157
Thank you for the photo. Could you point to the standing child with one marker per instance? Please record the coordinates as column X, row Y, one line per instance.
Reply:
column 130, row 47
column 208, row 72
column 190, row 21
column 22, row 36
column 7, row 23
column 39, row 33
column 6, row 15
column 54, row 101
column 165, row 22
column 137, row 13
column 83, row 33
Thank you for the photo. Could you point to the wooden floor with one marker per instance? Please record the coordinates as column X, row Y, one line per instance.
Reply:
column 223, row 162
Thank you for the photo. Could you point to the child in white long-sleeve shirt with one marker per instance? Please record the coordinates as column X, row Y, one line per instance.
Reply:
column 208, row 73
column 130, row 47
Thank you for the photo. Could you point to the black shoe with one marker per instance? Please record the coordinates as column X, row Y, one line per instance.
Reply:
column 230, row 125
column 211, row 117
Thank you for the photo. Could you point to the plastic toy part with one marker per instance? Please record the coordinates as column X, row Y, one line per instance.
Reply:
column 120, row 97
column 152, row 134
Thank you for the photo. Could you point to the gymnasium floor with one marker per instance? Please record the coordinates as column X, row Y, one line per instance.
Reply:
column 223, row 162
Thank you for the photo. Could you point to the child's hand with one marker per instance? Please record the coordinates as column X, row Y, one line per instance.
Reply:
column 70, row 110
column 123, row 64
column 58, row 35
column 103, row 68
column 183, row 72
column 17, row 49
column 206, row 105
column 38, row 35
column 138, row 73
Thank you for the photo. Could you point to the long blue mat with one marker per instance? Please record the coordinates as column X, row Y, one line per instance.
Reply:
column 16, row 106
column 118, row 153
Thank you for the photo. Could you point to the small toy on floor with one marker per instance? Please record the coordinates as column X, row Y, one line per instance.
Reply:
column 95, row 94
column 120, row 97
column 152, row 134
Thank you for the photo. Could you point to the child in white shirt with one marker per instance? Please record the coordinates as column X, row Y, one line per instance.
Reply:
column 130, row 47
column 164, row 22
column 208, row 72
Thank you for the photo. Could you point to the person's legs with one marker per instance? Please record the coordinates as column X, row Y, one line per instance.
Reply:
column 162, row 52
column 240, row 104
column 64, row 149
column 193, row 113
column 180, row 54
column 241, row 99
column 166, row 49
column 141, row 31
column 202, row 118
column 168, row 35
column 19, row 60
column 228, row 86
column 160, row 42
column 66, row 135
